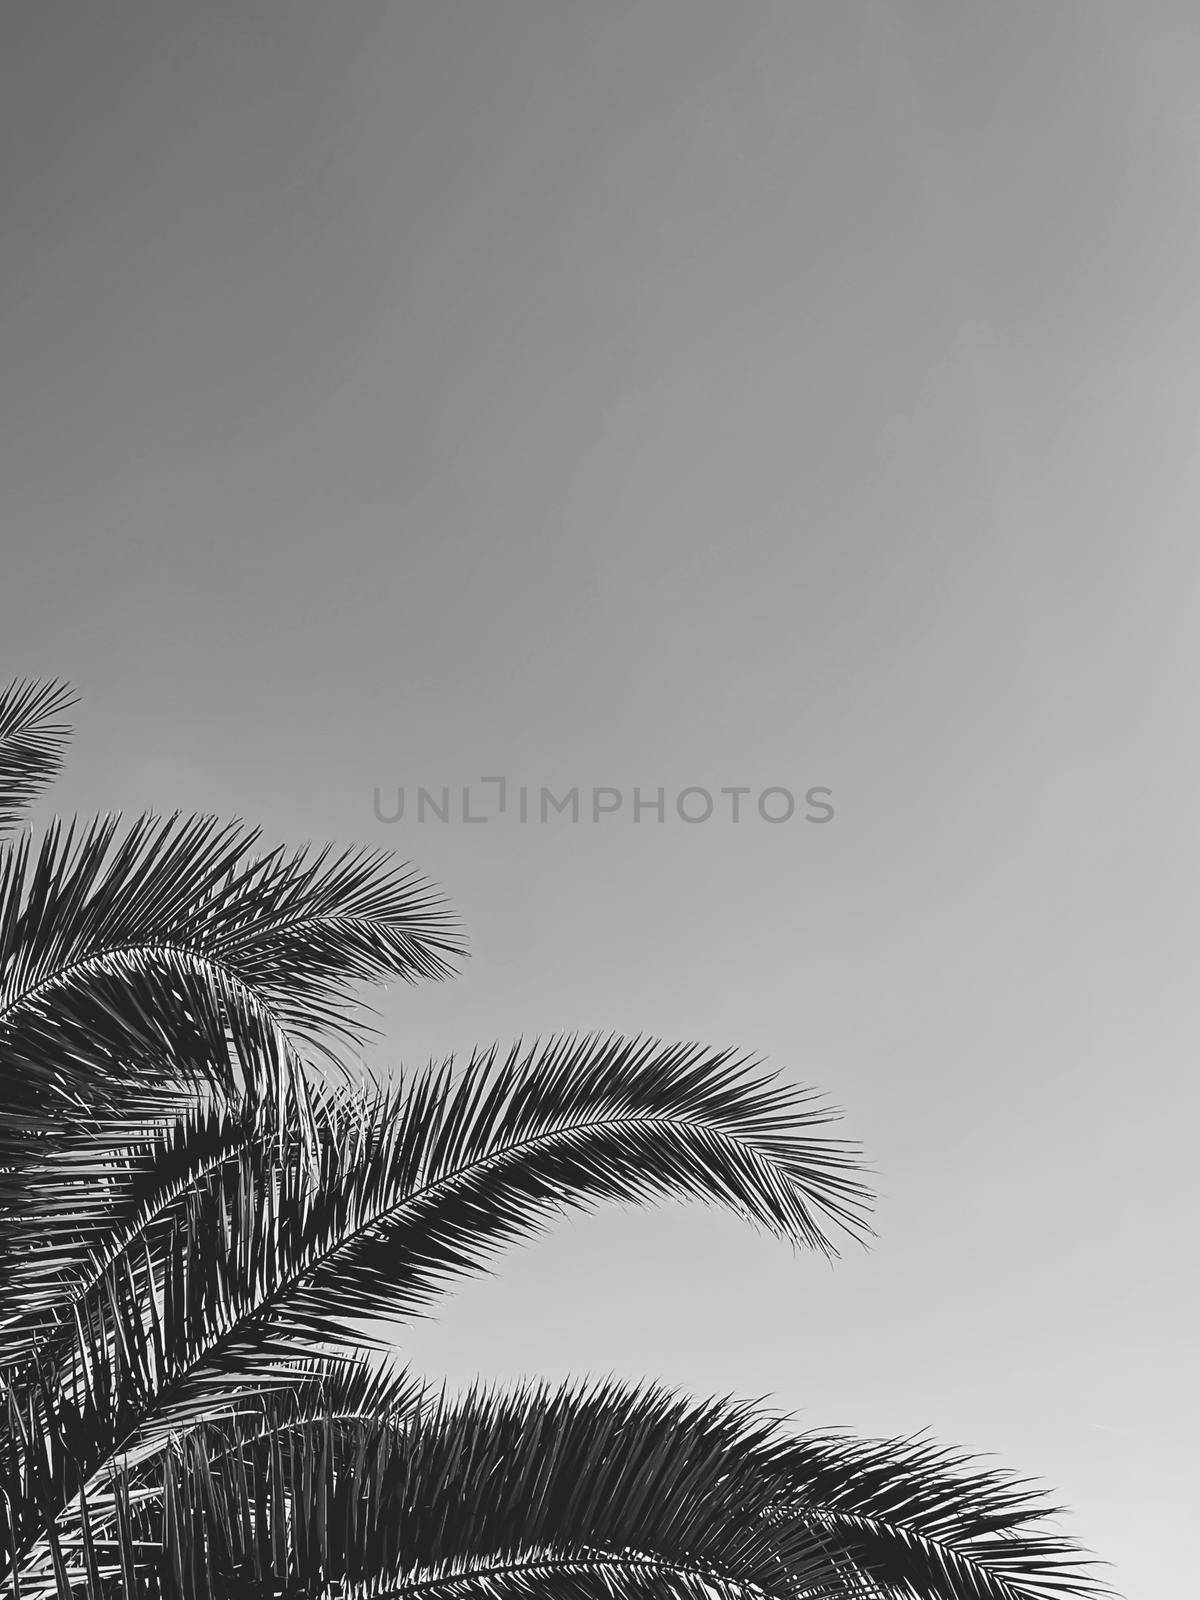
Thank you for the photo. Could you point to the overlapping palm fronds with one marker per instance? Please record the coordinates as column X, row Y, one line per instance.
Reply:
column 130, row 959
column 194, row 1224
column 269, row 1248
column 587, row 1490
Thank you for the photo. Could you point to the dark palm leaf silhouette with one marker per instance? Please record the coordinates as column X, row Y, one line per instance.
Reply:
column 200, row 1204
column 31, row 743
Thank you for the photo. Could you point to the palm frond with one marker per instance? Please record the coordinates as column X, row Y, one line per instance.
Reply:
column 588, row 1490
column 106, row 1183
column 922, row 1522
column 31, row 742
column 72, row 1193
column 334, row 1394
column 168, row 952
column 450, row 1496
column 442, row 1173
column 421, row 1182
column 277, row 1251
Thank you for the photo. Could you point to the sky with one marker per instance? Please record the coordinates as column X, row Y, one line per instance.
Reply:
column 695, row 396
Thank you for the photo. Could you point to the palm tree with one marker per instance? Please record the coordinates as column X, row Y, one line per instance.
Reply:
column 201, row 1205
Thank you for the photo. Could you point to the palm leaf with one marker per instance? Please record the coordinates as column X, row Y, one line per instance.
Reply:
column 106, row 1184
column 31, row 743
column 479, row 1494
column 424, row 1181
column 271, row 1254
column 174, row 952
column 586, row 1490
column 921, row 1522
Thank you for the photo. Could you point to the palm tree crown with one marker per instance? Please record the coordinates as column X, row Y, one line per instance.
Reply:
column 200, row 1203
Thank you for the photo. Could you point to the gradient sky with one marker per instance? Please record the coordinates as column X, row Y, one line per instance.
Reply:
column 684, row 394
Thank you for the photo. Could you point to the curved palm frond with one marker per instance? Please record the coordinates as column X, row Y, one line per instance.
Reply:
column 269, row 1255
column 590, row 1490
column 423, row 1181
column 172, row 953
column 31, row 743
column 481, row 1494
column 923, row 1522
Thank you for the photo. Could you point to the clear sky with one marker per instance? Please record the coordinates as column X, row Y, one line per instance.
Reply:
column 684, row 394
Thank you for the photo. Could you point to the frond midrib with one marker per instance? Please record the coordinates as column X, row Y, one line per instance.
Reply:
column 600, row 1561
column 188, row 953
column 289, row 1284
column 207, row 958
column 944, row 1547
